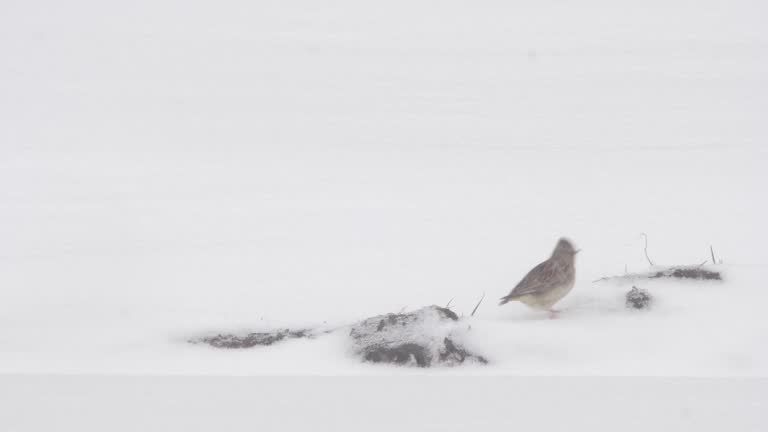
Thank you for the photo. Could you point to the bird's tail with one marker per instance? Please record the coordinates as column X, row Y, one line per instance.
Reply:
column 508, row 298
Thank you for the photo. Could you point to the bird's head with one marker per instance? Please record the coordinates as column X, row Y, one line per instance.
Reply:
column 565, row 249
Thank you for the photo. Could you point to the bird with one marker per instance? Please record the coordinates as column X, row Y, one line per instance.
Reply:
column 548, row 282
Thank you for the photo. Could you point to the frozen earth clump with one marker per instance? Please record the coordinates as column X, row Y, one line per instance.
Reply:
column 249, row 340
column 638, row 298
column 425, row 337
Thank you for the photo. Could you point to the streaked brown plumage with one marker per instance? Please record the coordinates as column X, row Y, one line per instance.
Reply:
column 549, row 281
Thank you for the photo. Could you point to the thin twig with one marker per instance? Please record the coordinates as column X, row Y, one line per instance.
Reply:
column 449, row 303
column 712, row 251
column 646, row 249
column 477, row 305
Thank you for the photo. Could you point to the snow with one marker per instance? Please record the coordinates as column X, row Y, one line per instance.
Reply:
column 381, row 403
column 170, row 169
column 106, row 272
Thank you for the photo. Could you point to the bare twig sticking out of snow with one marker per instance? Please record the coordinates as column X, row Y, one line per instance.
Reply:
column 477, row 305
column 646, row 249
column 712, row 251
column 448, row 305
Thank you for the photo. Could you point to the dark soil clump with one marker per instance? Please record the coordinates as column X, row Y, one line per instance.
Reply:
column 231, row 341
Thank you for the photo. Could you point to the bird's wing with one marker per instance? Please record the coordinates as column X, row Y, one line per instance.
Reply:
column 537, row 280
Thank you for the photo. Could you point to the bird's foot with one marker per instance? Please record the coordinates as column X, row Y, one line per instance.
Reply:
column 553, row 314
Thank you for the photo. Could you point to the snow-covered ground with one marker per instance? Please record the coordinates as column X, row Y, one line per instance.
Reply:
column 380, row 404
column 169, row 168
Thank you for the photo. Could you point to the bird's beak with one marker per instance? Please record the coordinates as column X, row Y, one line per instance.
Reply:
column 577, row 251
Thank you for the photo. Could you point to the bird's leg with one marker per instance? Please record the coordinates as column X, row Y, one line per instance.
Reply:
column 553, row 313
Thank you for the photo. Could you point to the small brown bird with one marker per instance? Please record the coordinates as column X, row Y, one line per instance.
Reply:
column 549, row 281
